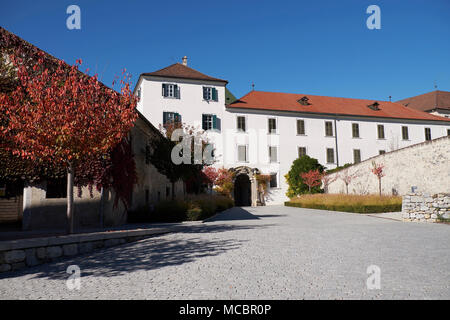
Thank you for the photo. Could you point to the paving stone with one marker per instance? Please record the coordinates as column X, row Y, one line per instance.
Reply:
column 271, row 252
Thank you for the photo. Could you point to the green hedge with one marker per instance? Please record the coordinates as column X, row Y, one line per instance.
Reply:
column 349, row 208
column 193, row 208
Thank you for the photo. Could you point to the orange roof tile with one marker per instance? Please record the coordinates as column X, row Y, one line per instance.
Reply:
column 276, row 101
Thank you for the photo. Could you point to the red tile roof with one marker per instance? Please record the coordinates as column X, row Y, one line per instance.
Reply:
column 178, row 70
column 428, row 101
column 276, row 101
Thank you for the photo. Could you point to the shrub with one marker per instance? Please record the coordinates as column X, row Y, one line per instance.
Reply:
column 348, row 203
column 194, row 214
column 170, row 211
column 140, row 215
column 208, row 205
column 301, row 165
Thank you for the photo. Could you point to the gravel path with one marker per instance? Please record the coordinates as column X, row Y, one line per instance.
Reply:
column 271, row 252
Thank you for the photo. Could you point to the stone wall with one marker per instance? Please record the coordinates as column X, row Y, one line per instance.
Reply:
column 18, row 254
column 425, row 207
column 425, row 166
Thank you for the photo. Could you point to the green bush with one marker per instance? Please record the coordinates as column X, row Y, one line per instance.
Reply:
column 194, row 214
column 140, row 215
column 294, row 180
column 194, row 208
column 170, row 211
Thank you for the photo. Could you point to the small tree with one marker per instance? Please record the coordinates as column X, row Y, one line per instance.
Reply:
column 378, row 171
column 347, row 177
column 295, row 181
column 312, row 178
column 64, row 117
column 327, row 180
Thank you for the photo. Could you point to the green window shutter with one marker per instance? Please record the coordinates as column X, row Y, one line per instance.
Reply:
column 177, row 117
column 204, row 93
column 204, row 126
column 214, row 122
column 164, row 117
column 175, row 91
column 214, row 94
column 164, row 90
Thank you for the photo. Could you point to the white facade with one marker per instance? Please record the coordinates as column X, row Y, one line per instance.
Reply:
column 284, row 140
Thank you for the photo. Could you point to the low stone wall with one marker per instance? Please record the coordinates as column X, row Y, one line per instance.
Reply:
column 425, row 208
column 18, row 254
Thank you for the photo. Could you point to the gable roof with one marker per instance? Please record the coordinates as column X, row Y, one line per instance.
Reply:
column 277, row 101
column 178, row 70
column 428, row 101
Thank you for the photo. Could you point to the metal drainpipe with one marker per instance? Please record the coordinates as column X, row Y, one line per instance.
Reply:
column 336, row 141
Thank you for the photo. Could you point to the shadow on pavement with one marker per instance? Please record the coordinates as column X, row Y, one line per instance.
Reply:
column 148, row 254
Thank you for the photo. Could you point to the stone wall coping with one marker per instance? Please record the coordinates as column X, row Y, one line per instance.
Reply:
column 77, row 238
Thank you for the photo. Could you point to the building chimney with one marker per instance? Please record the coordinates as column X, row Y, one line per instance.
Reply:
column 185, row 61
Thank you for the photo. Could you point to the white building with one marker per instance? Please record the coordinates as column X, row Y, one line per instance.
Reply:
column 266, row 131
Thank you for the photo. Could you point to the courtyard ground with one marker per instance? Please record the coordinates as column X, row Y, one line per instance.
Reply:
column 272, row 252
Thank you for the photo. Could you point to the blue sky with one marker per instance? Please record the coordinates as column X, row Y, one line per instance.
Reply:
column 318, row 47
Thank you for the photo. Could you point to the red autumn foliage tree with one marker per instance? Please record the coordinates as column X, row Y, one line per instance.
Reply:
column 221, row 179
column 378, row 171
column 312, row 178
column 65, row 117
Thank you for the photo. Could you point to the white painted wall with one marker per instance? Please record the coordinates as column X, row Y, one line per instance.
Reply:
column 425, row 166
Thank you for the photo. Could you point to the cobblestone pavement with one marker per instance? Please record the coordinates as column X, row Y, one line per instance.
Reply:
column 271, row 252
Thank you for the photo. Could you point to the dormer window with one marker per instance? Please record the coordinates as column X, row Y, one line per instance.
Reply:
column 170, row 90
column 374, row 106
column 138, row 93
column 210, row 94
column 304, row 101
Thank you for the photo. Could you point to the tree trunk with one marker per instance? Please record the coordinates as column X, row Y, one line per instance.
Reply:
column 173, row 190
column 102, row 200
column 70, row 199
column 379, row 185
column 346, row 187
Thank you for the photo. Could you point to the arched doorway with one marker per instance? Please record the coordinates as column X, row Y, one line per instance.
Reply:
column 242, row 191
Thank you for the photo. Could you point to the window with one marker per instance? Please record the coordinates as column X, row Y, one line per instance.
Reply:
column 273, row 180
column 170, row 90
column 427, row 134
column 56, row 188
column 356, row 156
column 171, row 117
column 210, row 94
column 405, row 135
column 240, row 123
column 448, row 132
column 272, row 125
column 328, row 128
column 380, row 131
column 273, row 156
column 301, row 152
column 355, row 130
column 330, row 155
column 300, row 127
column 139, row 93
column 382, row 151
column 242, row 153
column 210, row 121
